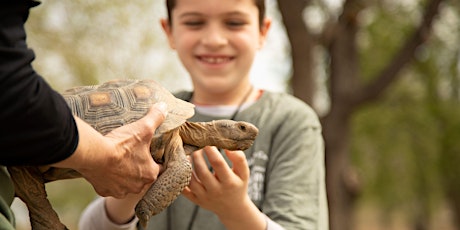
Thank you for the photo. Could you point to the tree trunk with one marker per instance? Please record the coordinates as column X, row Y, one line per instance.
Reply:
column 341, row 191
column 302, row 81
column 343, row 82
column 346, row 91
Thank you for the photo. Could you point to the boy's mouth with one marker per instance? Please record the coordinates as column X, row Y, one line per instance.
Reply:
column 215, row 60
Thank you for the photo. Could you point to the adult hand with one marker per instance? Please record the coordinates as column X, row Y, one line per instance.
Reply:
column 120, row 162
column 224, row 191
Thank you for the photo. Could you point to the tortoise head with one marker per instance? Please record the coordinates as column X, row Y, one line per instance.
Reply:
column 228, row 134
column 225, row 134
column 233, row 135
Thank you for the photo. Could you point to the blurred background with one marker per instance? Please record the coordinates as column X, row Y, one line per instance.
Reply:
column 384, row 76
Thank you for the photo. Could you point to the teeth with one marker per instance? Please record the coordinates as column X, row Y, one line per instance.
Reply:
column 215, row 60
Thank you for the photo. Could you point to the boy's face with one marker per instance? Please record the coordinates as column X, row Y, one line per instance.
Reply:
column 216, row 40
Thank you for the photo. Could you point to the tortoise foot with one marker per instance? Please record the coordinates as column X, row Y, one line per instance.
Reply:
column 165, row 190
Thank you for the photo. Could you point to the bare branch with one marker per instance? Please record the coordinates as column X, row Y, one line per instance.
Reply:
column 390, row 73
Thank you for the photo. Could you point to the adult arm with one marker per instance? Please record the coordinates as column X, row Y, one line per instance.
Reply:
column 38, row 127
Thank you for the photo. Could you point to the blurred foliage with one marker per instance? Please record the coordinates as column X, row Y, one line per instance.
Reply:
column 69, row 198
column 406, row 146
column 377, row 42
column 87, row 42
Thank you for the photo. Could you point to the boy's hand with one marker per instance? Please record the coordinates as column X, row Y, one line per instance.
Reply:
column 222, row 190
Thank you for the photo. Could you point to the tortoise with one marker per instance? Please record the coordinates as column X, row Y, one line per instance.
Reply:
column 118, row 102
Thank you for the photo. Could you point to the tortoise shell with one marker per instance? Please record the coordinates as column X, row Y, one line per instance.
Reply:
column 119, row 102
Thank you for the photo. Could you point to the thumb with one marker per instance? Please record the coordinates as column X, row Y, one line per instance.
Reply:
column 155, row 116
column 239, row 162
column 145, row 127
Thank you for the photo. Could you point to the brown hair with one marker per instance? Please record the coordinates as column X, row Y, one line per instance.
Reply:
column 170, row 4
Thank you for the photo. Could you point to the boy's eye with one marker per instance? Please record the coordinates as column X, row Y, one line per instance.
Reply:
column 235, row 23
column 193, row 23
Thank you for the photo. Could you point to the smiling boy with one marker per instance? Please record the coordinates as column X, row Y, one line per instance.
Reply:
column 276, row 184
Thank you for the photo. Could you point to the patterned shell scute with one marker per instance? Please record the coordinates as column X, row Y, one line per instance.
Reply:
column 119, row 102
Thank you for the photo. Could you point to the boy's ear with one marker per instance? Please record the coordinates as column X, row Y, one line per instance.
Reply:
column 264, row 28
column 167, row 29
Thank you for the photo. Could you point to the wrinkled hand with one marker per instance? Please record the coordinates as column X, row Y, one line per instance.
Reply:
column 222, row 190
column 118, row 163
column 133, row 168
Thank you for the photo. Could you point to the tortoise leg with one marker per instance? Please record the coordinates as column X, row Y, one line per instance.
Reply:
column 189, row 149
column 169, row 184
column 30, row 187
column 52, row 174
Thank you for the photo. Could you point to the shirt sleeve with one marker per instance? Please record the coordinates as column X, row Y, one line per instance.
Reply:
column 272, row 225
column 38, row 127
column 94, row 217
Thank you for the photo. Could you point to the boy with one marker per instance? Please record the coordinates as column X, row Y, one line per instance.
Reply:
column 276, row 184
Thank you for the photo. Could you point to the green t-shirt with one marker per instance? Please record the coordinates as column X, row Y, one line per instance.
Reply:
column 286, row 161
column 6, row 198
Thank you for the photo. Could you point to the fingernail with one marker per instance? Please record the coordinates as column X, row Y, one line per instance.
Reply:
column 162, row 107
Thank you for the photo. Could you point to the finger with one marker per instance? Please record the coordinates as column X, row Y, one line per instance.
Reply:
column 161, row 168
column 155, row 172
column 142, row 190
column 155, row 116
column 187, row 192
column 156, row 169
column 239, row 162
column 201, row 170
column 149, row 169
column 194, row 176
column 194, row 188
column 218, row 163
column 144, row 128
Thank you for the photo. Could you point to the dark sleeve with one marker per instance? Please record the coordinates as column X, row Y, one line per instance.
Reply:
column 37, row 125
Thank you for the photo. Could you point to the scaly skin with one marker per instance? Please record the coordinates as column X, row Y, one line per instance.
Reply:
column 174, row 139
column 168, row 186
column 224, row 134
column 169, row 149
column 30, row 187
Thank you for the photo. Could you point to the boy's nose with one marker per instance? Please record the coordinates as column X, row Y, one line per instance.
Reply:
column 214, row 37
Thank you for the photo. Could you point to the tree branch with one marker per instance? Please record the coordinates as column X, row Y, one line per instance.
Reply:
column 390, row 73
